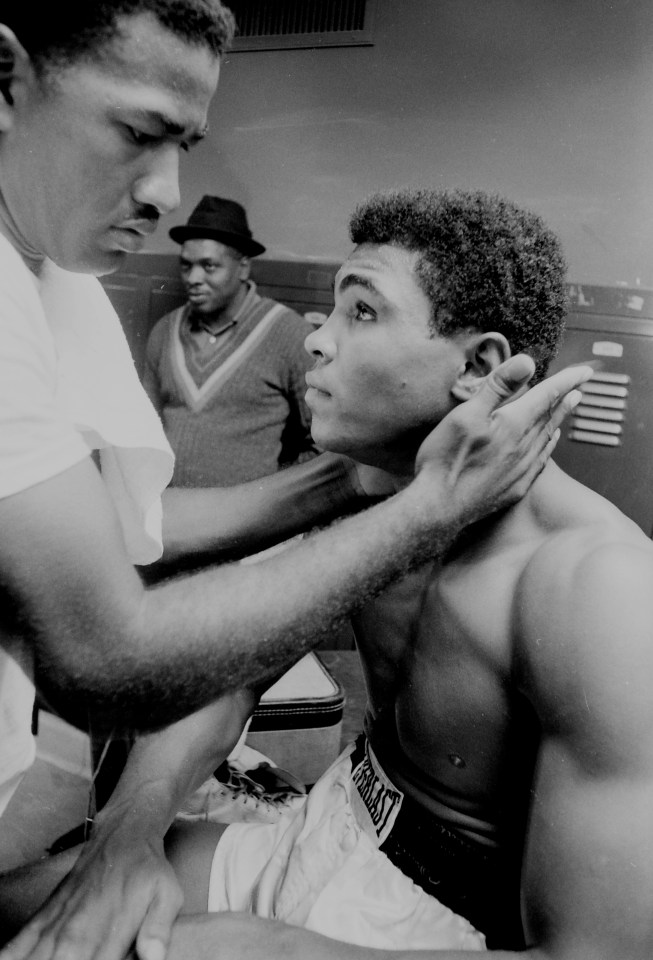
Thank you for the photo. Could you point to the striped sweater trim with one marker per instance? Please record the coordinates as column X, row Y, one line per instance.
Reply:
column 197, row 397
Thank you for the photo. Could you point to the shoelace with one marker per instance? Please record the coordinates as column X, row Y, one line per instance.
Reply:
column 240, row 784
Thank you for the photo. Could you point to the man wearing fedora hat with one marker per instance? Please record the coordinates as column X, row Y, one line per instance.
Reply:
column 116, row 91
column 226, row 370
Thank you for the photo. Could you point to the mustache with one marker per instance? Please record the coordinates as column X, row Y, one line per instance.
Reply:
column 146, row 213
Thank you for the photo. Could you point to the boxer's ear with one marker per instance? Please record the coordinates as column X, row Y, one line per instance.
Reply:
column 483, row 353
column 15, row 68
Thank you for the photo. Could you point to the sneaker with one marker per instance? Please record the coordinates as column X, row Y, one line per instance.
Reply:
column 261, row 795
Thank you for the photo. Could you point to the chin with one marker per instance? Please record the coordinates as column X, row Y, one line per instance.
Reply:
column 323, row 439
column 333, row 444
column 109, row 264
column 97, row 265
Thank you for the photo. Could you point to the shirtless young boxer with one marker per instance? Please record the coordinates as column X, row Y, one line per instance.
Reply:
column 509, row 730
column 117, row 90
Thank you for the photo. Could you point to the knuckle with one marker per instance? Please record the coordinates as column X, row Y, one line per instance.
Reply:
column 554, row 393
column 71, row 945
column 171, row 902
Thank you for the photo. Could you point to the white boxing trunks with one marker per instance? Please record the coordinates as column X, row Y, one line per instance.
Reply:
column 321, row 868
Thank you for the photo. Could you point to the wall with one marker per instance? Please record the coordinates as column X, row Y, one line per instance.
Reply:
column 546, row 101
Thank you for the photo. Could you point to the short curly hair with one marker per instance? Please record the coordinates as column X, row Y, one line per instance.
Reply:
column 484, row 263
column 61, row 33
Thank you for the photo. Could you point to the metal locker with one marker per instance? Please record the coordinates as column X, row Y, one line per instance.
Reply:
column 607, row 443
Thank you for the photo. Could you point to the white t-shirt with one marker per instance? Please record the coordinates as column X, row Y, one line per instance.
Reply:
column 68, row 385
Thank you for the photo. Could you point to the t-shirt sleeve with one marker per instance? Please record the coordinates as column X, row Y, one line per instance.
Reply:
column 36, row 441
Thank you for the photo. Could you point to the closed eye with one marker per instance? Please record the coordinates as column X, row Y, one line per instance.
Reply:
column 140, row 138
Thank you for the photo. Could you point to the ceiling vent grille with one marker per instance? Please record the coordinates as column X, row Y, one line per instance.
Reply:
column 283, row 24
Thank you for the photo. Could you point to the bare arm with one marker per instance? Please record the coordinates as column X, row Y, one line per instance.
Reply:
column 227, row 523
column 586, row 616
column 588, row 881
column 236, row 936
column 145, row 657
column 121, row 888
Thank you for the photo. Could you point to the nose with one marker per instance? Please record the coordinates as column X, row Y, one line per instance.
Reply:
column 158, row 186
column 320, row 343
column 195, row 275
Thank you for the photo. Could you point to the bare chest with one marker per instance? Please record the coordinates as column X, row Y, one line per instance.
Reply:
column 438, row 651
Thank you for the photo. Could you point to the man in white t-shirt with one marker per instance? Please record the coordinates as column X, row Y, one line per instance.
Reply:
column 97, row 100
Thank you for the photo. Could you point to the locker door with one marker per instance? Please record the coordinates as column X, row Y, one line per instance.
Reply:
column 607, row 443
column 130, row 296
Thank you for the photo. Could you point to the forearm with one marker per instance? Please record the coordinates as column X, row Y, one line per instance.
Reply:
column 204, row 525
column 162, row 652
column 244, row 624
column 119, row 885
column 163, row 768
column 147, row 656
column 233, row 936
column 160, row 771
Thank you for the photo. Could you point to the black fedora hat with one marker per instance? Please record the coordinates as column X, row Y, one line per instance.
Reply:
column 215, row 218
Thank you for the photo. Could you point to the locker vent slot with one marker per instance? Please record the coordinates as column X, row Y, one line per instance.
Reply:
column 296, row 23
column 599, row 417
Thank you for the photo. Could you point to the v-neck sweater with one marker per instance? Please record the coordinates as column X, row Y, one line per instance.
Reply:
column 233, row 410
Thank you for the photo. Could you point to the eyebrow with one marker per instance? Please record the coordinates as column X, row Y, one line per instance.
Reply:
column 170, row 127
column 203, row 261
column 356, row 280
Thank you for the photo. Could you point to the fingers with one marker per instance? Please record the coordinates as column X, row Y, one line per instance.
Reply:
column 553, row 398
column 151, row 948
column 88, row 929
column 556, row 387
column 564, row 407
column 511, row 378
column 21, row 945
column 548, row 450
column 547, row 434
column 38, row 938
column 154, row 935
column 505, row 382
column 540, row 462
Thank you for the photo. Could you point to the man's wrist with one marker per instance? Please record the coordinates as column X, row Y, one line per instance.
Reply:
column 428, row 520
column 147, row 810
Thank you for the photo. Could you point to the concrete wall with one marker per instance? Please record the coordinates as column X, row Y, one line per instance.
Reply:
column 549, row 102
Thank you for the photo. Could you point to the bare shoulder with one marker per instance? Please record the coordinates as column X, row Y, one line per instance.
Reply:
column 584, row 623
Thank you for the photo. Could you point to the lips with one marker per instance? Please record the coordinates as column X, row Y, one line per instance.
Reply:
column 314, row 383
column 143, row 228
column 126, row 239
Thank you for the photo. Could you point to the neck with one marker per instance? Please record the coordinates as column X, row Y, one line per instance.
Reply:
column 398, row 461
column 527, row 517
column 9, row 228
